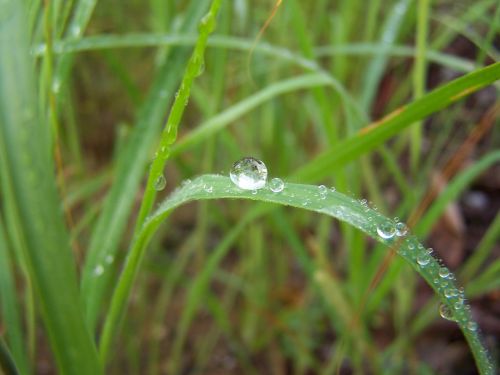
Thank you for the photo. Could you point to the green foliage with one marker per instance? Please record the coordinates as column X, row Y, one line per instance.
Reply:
column 274, row 280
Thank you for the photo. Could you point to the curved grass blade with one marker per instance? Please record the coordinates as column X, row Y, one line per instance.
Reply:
column 315, row 199
column 27, row 168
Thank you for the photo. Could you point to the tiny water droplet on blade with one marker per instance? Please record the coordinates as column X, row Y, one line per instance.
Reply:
column 98, row 270
column 386, row 230
column 160, row 183
column 401, row 229
column 208, row 188
column 444, row 272
column 445, row 312
column 276, row 185
column 249, row 174
column 323, row 190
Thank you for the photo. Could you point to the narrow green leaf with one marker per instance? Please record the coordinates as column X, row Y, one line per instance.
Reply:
column 346, row 209
column 27, row 166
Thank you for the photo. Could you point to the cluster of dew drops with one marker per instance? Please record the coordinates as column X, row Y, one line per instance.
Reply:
column 251, row 174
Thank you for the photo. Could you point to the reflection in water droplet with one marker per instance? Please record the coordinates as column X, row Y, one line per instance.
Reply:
column 386, row 230
column 276, row 185
column 445, row 312
column 160, row 183
column 249, row 174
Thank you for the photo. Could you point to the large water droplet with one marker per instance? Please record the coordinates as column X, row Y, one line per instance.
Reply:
column 276, row 185
column 160, row 183
column 386, row 230
column 445, row 312
column 249, row 174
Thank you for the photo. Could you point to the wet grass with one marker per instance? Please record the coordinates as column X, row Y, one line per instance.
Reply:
column 368, row 98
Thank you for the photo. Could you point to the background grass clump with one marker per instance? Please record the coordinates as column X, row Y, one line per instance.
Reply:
column 115, row 257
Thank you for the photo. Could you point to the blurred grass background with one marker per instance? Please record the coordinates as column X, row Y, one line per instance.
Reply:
column 107, row 73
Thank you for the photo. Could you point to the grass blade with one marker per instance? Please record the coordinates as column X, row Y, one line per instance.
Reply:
column 348, row 210
column 27, row 166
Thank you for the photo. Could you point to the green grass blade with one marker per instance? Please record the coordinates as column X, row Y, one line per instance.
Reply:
column 130, row 169
column 377, row 133
column 7, row 363
column 9, row 306
column 168, row 137
column 339, row 206
column 27, row 166
column 374, row 71
column 452, row 191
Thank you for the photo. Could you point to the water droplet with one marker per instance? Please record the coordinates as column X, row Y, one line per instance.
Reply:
column 249, row 174
column 76, row 30
column 276, row 185
column 254, row 192
column 332, row 189
column 323, row 190
column 386, row 230
column 109, row 259
column 160, row 183
column 423, row 258
column 98, row 270
column 401, row 229
column 472, row 326
column 445, row 312
column 444, row 272
column 208, row 188
column 448, row 292
column 186, row 182
column 56, row 86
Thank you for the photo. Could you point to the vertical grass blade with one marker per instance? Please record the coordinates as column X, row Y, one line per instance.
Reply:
column 9, row 308
column 110, row 227
column 27, row 166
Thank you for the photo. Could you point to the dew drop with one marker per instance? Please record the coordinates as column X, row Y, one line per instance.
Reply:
column 423, row 258
column 208, row 188
column 160, row 183
column 445, row 312
column 401, row 229
column 386, row 230
column 109, row 259
column 444, row 272
column 249, row 174
column 98, row 270
column 276, row 185
column 323, row 190
column 472, row 326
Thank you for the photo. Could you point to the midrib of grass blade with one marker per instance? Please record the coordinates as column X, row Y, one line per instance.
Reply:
column 27, row 165
column 338, row 206
column 9, row 306
column 168, row 137
column 130, row 167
